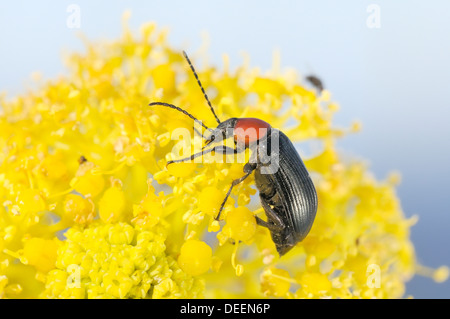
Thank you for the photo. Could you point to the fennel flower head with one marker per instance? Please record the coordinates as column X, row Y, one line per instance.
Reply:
column 91, row 210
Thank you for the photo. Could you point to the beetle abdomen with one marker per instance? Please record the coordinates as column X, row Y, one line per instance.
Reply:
column 290, row 192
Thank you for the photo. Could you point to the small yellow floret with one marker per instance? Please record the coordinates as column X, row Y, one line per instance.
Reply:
column 315, row 283
column 195, row 257
column 86, row 182
column 41, row 253
column 275, row 282
column 441, row 274
column 209, row 200
column 112, row 205
column 30, row 201
column 241, row 224
column 164, row 77
column 181, row 169
column 78, row 209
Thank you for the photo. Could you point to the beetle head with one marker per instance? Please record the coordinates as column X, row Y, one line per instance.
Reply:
column 222, row 132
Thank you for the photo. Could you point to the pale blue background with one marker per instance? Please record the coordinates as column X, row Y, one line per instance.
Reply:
column 395, row 79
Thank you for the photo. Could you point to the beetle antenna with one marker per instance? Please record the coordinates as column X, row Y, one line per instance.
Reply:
column 201, row 86
column 182, row 111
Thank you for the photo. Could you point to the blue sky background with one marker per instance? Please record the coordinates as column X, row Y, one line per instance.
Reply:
column 394, row 79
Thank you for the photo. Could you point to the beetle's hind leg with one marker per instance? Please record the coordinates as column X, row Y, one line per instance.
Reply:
column 275, row 222
column 270, row 226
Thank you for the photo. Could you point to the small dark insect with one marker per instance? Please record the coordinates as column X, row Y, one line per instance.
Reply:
column 82, row 160
column 316, row 82
column 286, row 190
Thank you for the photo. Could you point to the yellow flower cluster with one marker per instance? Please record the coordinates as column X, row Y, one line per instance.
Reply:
column 90, row 210
column 118, row 260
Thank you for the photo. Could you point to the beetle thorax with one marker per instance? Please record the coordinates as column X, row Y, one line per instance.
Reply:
column 250, row 130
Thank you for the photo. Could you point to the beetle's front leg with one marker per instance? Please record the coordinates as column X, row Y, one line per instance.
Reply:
column 220, row 149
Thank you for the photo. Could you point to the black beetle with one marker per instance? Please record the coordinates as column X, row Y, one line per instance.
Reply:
column 286, row 191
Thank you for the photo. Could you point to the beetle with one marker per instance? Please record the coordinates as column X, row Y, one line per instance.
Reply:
column 286, row 190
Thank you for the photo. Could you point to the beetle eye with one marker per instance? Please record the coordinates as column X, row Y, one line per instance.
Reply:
column 209, row 140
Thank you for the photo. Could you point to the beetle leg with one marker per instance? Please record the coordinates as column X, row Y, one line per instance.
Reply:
column 270, row 226
column 250, row 167
column 276, row 222
column 262, row 222
column 221, row 149
column 234, row 183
